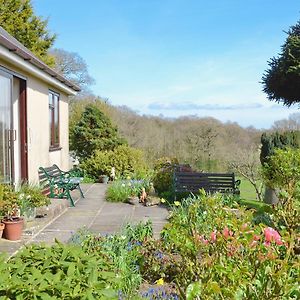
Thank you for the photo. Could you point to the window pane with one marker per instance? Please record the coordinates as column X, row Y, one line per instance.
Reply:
column 54, row 119
column 50, row 125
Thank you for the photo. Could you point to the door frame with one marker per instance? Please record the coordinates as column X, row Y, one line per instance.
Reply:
column 23, row 129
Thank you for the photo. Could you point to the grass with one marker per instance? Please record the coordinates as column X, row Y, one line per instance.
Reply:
column 247, row 190
column 248, row 195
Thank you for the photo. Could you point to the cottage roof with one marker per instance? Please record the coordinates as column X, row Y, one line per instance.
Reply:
column 13, row 45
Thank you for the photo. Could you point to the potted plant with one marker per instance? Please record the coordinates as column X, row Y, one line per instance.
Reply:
column 103, row 179
column 9, row 208
column 31, row 197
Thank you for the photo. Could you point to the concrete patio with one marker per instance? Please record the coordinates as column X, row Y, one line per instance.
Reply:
column 92, row 212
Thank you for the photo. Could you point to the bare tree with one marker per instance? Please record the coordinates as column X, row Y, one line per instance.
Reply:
column 247, row 164
column 72, row 66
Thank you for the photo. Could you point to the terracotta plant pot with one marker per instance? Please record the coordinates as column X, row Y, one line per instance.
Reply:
column 1, row 229
column 13, row 229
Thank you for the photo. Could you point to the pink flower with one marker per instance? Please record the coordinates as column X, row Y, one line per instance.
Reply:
column 205, row 242
column 271, row 235
column 202, row 239
column 213, row 236
column 226, row 232
column 267, row 244
column 256, row 237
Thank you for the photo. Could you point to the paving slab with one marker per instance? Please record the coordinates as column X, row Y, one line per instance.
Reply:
column 93, row 213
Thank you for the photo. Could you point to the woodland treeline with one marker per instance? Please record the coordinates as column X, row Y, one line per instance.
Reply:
column 205, row 143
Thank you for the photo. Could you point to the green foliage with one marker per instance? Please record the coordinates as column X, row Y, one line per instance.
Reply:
column 126, row 161
column 283, row 172
column 94, row 131
column 123, row 250
column 9, row 201
column 32, row 196
column 58, row 272
column 17, row 18
column 121, row 190
column 281, row 81
column 213, row 252
column 276, row 140
column 163, row 176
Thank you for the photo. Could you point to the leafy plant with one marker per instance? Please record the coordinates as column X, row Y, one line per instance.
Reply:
column 9, row 202
column 58, row 272
column 32, row 196
column 163, row 176
column 123, row 250
column 94, row 131
column 126, row 160
column 283, row 172
column 213, row 252
column 120, row 190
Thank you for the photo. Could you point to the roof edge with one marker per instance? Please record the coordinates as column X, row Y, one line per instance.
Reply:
column 16, row 47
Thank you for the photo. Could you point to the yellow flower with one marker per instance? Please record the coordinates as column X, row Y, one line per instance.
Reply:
column 176, row 203
column 162, row 200
column 128, row 177
column 160, row 281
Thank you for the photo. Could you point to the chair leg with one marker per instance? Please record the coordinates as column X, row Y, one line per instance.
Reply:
column 80, row 190
column 70, row 198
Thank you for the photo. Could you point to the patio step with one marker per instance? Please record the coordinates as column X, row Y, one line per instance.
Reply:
column 45, row 215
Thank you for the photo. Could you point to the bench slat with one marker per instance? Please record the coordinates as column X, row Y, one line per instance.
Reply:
column 210, row 182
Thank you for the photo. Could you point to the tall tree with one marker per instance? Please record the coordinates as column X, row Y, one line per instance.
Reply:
column 94, row 131
column 72, row 66
column 282, row 80
column 17, row 18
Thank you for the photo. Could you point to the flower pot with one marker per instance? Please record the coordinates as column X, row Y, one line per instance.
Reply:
column 13, row 229
column 1, row 229
column 270, row 196
column 103, row 179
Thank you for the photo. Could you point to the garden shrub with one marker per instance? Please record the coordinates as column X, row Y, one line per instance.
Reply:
column 123, row 250
column 163, row 176
column 282, row 172
column 58, row 272
column 94, row 131
column 121, row 190
column 278, row 140
column 214, row 252
column 126, row 161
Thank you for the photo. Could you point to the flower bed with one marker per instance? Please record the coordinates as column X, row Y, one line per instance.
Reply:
column 206, row 251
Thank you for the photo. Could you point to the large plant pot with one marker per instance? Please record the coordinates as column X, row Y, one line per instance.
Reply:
column 13, row 229
column 2, row 226
column 270, row 196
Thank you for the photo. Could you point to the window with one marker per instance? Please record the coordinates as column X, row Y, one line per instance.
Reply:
column 54, row 120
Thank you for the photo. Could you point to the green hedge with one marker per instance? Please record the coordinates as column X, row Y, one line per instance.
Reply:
column 126, row 161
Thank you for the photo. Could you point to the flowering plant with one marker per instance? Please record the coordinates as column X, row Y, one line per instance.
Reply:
column 224, row 254
column 32, row 196
column 9, row 202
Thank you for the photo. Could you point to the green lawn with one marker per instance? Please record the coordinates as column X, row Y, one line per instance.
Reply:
column 247, row 190
column 248, row 195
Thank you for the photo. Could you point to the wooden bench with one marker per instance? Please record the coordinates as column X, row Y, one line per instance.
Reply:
column 58, row 184
column 192, row 182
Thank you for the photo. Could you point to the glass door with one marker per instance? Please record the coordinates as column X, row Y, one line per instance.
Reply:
column 6, row 132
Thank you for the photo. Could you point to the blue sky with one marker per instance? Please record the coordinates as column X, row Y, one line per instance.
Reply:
column 178, row 57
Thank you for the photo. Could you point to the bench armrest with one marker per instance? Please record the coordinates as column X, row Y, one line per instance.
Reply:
column 237, row 183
